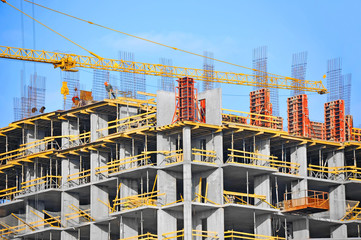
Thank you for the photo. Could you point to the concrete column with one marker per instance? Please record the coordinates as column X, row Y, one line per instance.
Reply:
column 69, row 166
column 262, row 186
column 263, row 224
column 167, row 183
column 68, row 198
column 299, row 187
column 213, row 105
column 97, row 159
column 128, row 227
column 166, row 223
column 33, row 206
column 337, row 197
column 68, row 235
column 69, row 128
column 187, row 182
column 301, row 229
column 32, row 133
column 98, row 210
column 165, row 107
column 98, row 232
column 215, row 222
column 97, row 122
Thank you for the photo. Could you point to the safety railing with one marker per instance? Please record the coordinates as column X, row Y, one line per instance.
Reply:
column 79, row 213
column 334, row 173
column 235, row 235
column 45, row 182
column 79, row 177
column 208, row 235
column 131, row 122
column 262, row 160
column 8, row 194
column 147, row 236
column 131, row 202
column 204, row 156
column 309, row 199
column 172, row 157
column 244, row 198
column 8, row 231
column 127, row 163
column 27, row 149
column 353, row 211
column 78, row 140
column 234, row 116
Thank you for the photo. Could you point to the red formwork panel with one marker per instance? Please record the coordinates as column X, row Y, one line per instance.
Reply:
column 298, row 115
column 335, row 121
column 186, row 101
column 260, row 103
column 317, row 130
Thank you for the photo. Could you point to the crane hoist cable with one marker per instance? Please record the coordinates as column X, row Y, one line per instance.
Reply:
column 95, row 55
column 151, row 41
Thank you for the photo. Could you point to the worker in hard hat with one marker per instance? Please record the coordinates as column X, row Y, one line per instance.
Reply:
column 109, row 89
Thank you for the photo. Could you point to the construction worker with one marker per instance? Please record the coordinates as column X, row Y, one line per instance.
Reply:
column 109, row 89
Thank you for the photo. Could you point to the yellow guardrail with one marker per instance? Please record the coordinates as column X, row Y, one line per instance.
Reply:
column 79, row 213
column 234, row 235
column 8, row 194
column 135, row 201
column 82, row 177
column 244, row 198
column 195, row 233
column 262, row 160
column 147, row 236
column 334, row 173
column 127, row 163
column 201, row 155
column 48, row 181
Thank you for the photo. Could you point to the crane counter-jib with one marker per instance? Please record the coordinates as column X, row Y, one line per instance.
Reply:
column 69, row 62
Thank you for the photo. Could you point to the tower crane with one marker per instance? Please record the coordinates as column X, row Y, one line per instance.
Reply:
column 70, row 62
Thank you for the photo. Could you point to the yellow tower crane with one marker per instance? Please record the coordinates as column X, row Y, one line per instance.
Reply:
column 69, row 62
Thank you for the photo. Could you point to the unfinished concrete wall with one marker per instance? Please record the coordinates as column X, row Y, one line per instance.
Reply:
column 213, row 105
column 165, row 107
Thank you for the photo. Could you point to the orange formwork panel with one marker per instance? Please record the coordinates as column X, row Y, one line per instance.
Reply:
column 317, row 130
column 260, row 103
column 335, row 121
column 315, row 201
column 298, row 115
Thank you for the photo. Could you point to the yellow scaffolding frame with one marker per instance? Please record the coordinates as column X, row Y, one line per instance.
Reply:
column 352, row 213
column 171, row 157
column 262, row 160
column 234, row 235
column 8, row 193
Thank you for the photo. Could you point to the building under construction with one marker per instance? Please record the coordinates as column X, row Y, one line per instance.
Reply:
column 179, row 166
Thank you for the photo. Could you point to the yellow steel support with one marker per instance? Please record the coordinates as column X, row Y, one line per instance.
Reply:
column 27, row 224
column 234, row 235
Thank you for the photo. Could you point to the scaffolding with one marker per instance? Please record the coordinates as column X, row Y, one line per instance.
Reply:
column 298, row 71
column 72, row 78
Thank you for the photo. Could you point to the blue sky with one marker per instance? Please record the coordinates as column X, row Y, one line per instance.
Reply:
column 229, row 29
